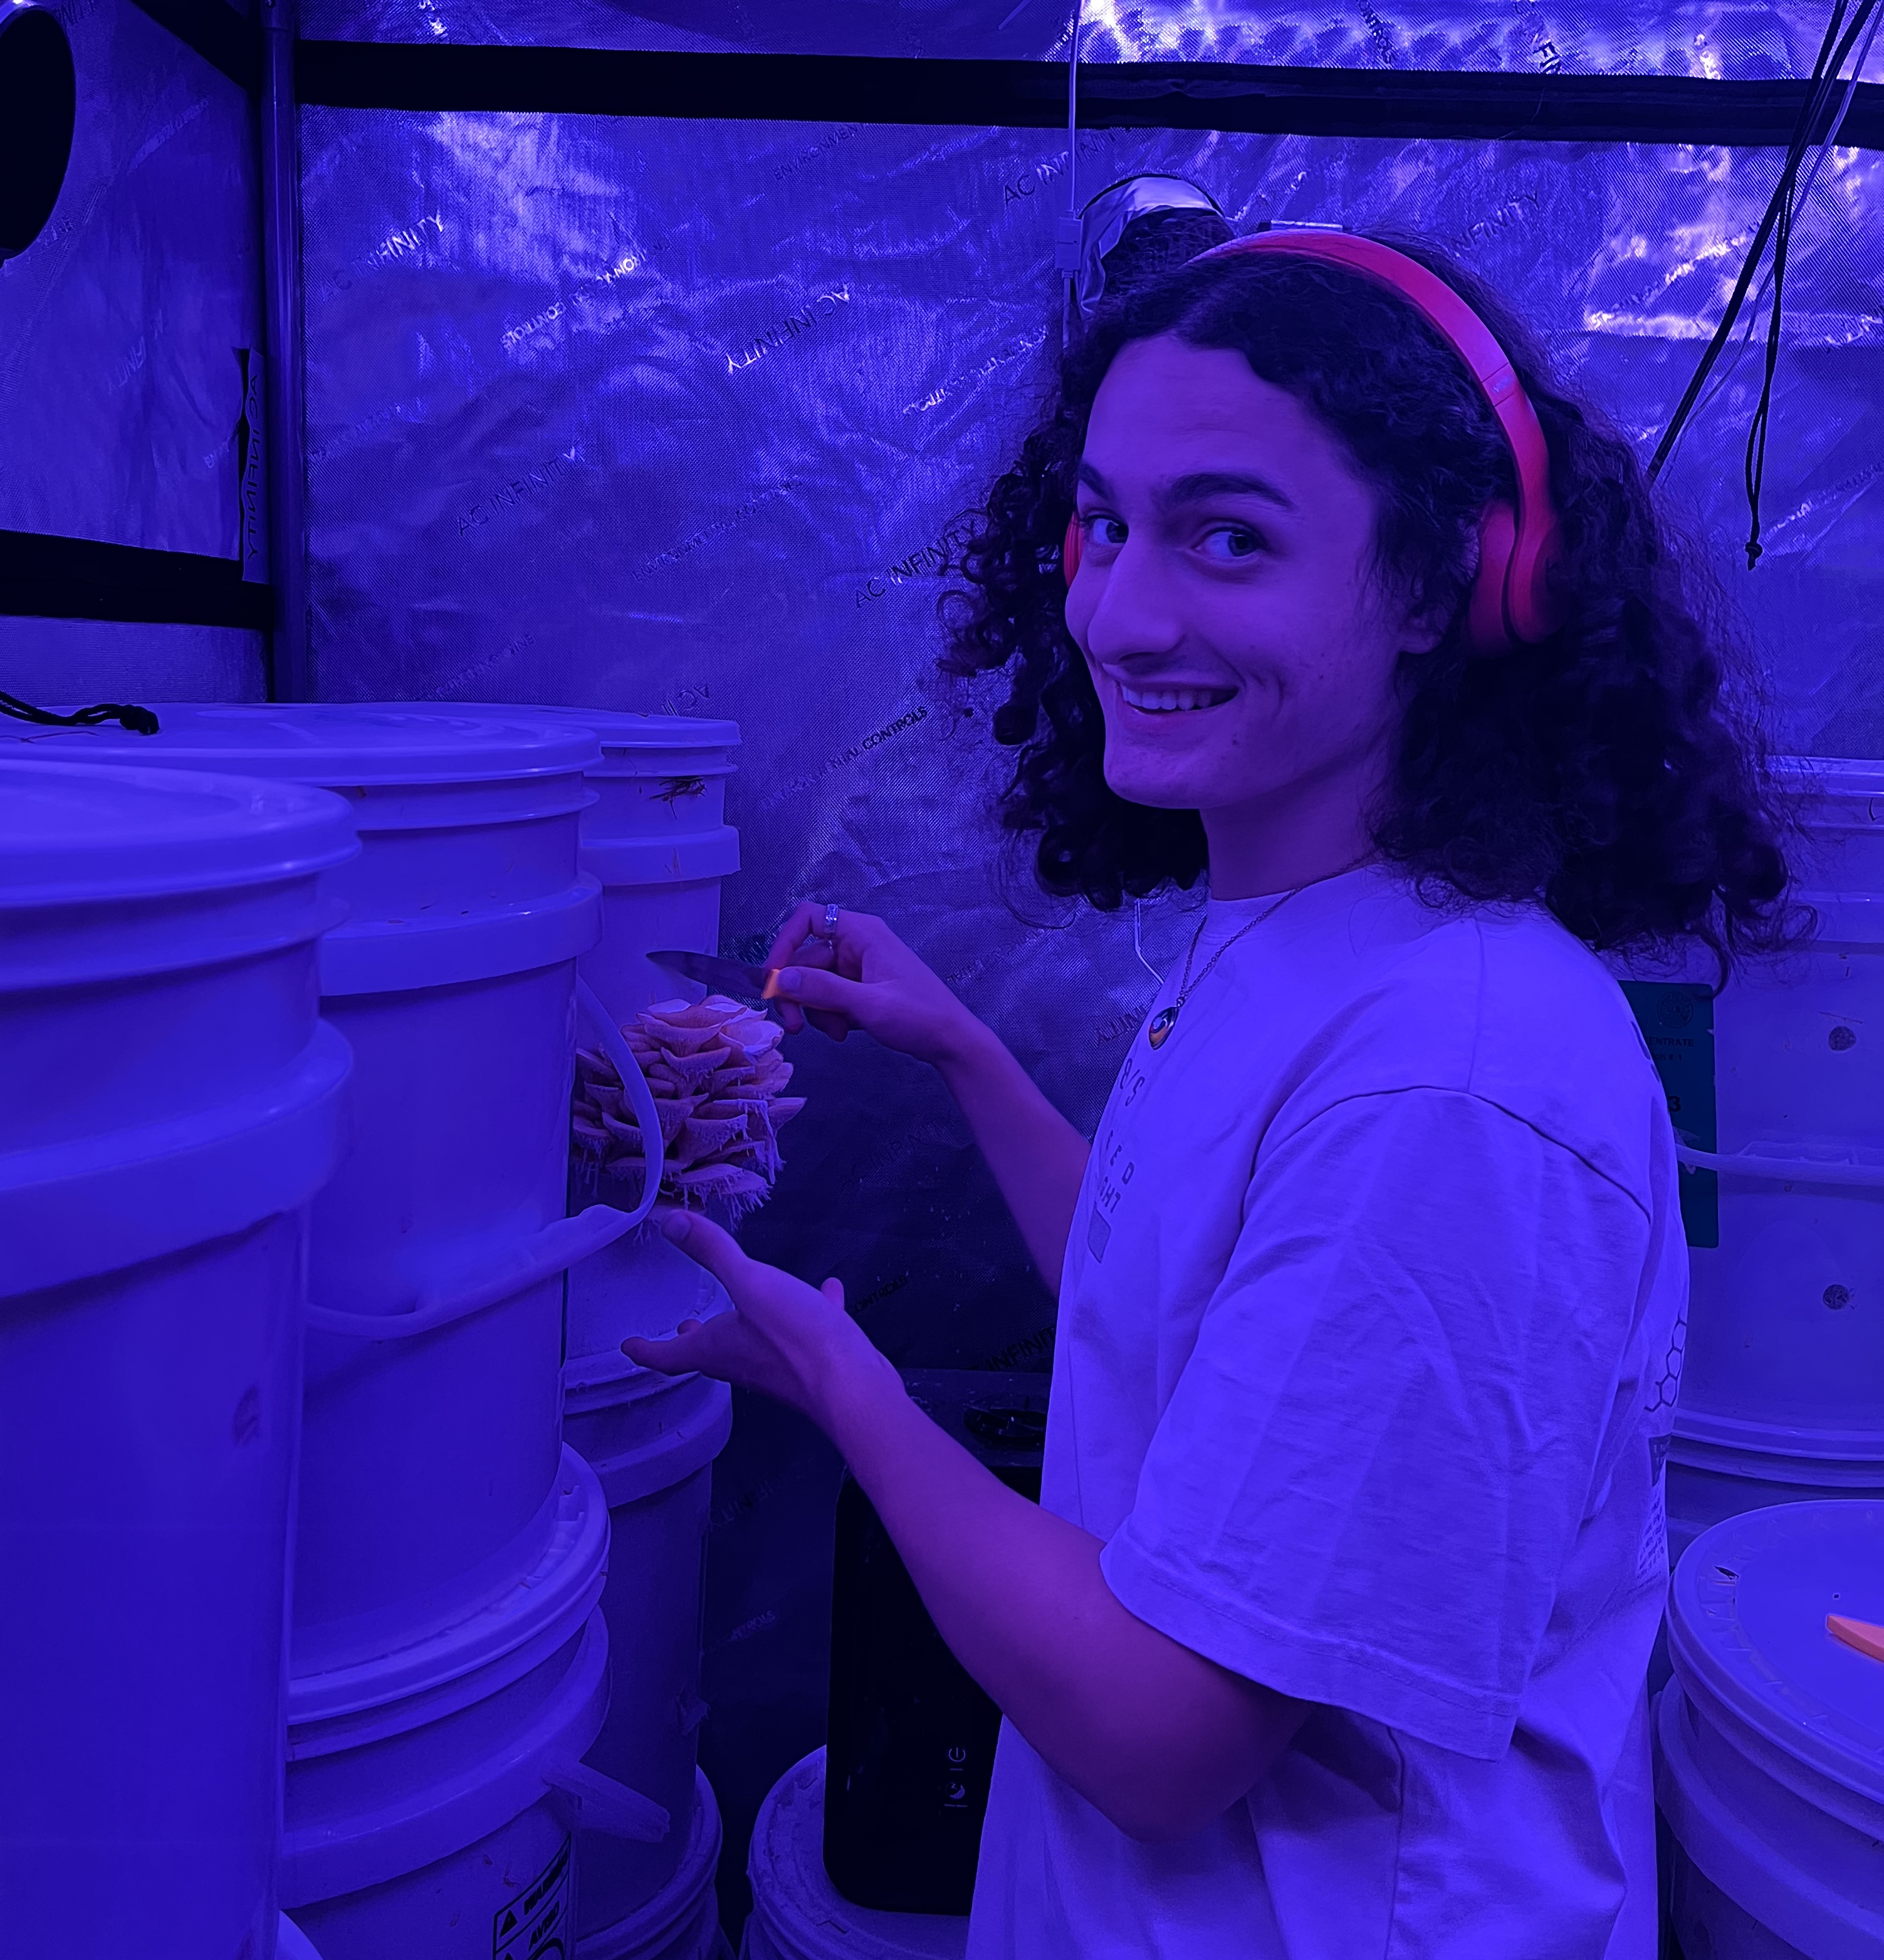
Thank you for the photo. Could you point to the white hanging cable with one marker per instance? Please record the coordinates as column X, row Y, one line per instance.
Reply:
column 1066, row 237
column 1137, row 944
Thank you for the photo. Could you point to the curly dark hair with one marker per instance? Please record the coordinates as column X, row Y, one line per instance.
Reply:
column 1616, row 772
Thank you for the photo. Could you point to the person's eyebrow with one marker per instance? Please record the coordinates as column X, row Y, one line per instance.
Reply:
column 1199, row 487
column 1203, row 484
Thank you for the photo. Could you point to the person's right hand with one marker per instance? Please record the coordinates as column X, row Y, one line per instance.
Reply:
column 864, row 977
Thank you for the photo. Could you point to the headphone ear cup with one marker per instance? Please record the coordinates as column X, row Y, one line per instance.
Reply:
column 1487, row 630
column 1070, row 551
column 1534, row 610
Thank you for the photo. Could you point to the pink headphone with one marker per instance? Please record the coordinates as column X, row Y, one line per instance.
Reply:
column 1511, row 603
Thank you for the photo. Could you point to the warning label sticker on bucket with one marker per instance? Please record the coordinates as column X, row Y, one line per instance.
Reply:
column 534, row 1925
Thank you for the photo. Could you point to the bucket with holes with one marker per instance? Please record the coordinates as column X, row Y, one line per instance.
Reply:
column 1774, row 1090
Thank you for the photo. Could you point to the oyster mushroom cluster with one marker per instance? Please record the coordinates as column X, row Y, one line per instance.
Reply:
column 717, row 1079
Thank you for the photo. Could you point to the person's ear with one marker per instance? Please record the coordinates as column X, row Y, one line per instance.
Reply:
column 1423, row 626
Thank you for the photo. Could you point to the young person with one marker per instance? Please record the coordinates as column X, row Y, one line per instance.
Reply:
column 1327, row 1638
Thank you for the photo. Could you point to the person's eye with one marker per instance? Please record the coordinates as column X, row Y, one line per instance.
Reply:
column 1109, row 534
column 1231, row 544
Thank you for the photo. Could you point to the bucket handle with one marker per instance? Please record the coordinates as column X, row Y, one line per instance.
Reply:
column 629, row 1070
column 600, row 1803
column 1783, row 1170
column 560, row 1244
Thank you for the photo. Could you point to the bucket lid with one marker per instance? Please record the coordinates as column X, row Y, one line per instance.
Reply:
column 344, row 743
column 804, row 1912
column 1746, row 1623
column 71, row 834
column 617, row 728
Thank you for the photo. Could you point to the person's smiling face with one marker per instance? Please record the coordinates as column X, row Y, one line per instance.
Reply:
column 1227, row 601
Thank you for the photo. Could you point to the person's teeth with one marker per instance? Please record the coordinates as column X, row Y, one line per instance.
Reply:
column 1171, row 700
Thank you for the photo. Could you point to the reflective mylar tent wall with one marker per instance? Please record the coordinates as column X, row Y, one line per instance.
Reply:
column 123, row 333
column 682, row 413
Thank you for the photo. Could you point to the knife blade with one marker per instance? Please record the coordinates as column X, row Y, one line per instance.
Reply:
column 732, row 977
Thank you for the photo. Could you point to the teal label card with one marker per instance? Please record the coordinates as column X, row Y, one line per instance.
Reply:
column 1676, row 1018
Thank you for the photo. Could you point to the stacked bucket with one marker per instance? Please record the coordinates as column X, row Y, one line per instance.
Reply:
column 657, row 843
column 172, row 1104
column 1782, row 1384
column 1770, row 1732
column 448, row 1660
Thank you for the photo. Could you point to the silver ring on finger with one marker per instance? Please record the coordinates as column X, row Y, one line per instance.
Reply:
column 829, row 929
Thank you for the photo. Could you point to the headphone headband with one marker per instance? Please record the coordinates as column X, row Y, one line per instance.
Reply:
column 1511, row 603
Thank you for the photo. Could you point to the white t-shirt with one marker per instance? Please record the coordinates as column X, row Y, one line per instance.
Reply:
column 1364, row 1376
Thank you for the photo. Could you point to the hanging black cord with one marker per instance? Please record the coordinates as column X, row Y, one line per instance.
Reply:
column 1808, row 117
column 1762, row 416
column 138, row 721
column 1840, row 36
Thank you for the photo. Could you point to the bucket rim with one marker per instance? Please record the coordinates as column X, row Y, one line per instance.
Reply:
column 783, row 1916
column 243, row 831
column 691, row 1432
column 336, row 744
column 544, row 1607
column 1786, row 1678
column 667, row 1912
column 615, row 727
column 86, row 1206
column 337, row 1857
column 1729, row 1851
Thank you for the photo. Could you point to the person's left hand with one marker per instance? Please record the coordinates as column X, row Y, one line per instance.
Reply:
column 783, row 1338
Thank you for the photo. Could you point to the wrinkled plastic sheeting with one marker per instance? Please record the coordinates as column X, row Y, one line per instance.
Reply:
column 1716, row 40
column 120, row 387
column 684, row 417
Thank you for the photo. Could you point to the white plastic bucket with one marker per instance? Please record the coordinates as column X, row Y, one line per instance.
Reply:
column 658, row 843
column 433, row 1417
column 433, row 1794
column 640, row 1284
column 657, row 839
column 1770, row 1739
column 651, row 1441
column 797, row 1912
column 1785, row 1347
column 1708, row 1483
column 681, row 1920
column 172, row 1104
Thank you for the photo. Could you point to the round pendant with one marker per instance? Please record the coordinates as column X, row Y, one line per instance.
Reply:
column 1162, row 1024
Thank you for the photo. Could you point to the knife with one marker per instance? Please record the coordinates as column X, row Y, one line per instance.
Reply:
column 732, row 977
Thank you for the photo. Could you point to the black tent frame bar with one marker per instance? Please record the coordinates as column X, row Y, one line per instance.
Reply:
column 83, row 578
column 1032, row 95
column 75, row 578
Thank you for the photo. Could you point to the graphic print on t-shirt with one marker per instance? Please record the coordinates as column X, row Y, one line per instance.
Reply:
column 1113, row 1168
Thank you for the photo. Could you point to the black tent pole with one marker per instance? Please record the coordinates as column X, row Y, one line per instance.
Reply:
column 291, row 675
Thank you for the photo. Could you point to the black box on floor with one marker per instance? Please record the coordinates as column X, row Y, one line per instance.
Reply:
column 911, row 1742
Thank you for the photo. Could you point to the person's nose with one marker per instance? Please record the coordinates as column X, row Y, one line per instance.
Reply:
column 1132, row 613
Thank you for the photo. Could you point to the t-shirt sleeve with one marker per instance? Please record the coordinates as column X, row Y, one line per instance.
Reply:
column 1370, row 1473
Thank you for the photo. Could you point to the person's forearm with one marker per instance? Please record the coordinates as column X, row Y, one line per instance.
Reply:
column 1110, row 1703
column 1038, row 1158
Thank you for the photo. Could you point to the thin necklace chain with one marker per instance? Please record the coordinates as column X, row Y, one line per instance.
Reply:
column 1185, row 984
column 1163, row 1023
